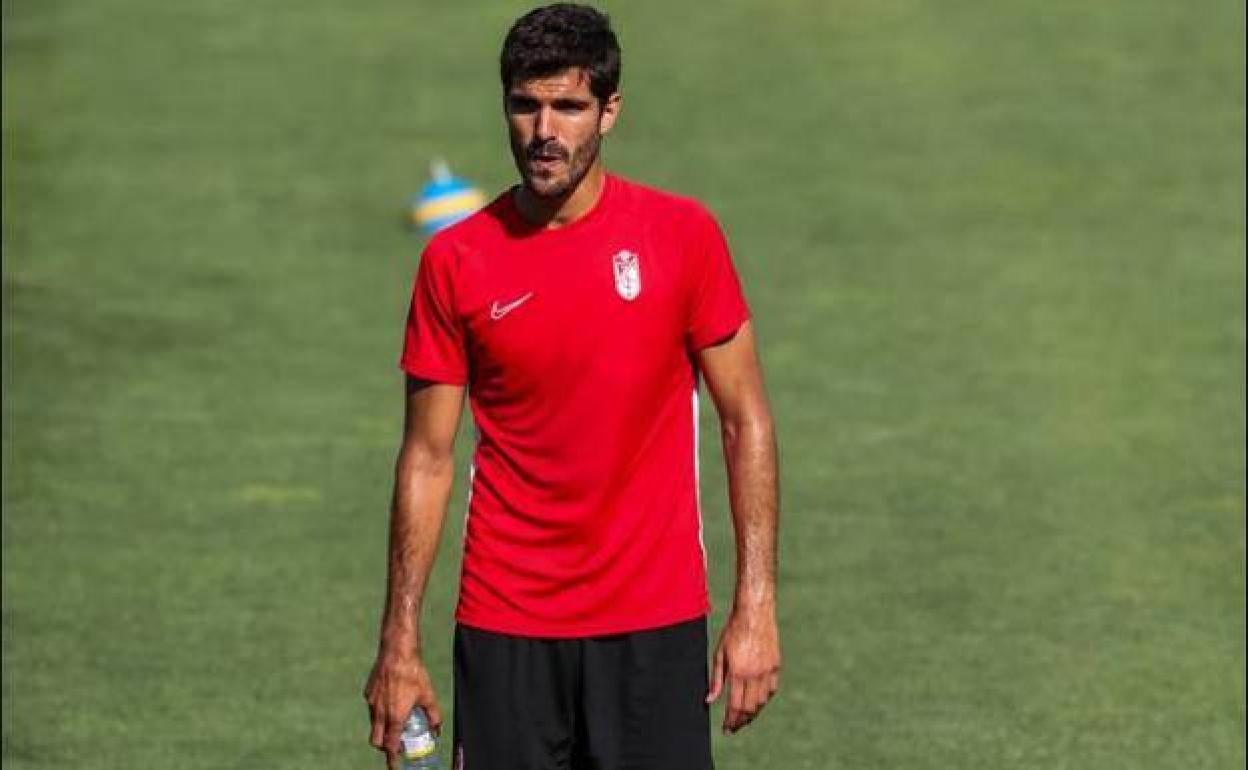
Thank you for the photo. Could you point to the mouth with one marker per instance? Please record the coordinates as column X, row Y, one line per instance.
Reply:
column 546, row 159
column 544, row 162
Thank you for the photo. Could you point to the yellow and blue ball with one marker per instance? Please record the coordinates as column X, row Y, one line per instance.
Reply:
column 444, row 201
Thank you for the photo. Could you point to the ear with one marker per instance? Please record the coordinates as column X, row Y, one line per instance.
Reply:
column 610, row 111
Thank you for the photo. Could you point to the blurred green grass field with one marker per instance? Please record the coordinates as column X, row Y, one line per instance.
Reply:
column 996, row 255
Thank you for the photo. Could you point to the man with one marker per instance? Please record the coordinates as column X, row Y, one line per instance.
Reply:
column 577, row 310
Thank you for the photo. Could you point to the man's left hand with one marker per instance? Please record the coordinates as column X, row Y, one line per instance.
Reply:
column 747, row 661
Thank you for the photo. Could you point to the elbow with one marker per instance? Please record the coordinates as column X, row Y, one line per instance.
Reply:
column 749, row 426
column 425, row 461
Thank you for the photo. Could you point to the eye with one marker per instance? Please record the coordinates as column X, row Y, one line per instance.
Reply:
column 571, row 106
column 521, row 105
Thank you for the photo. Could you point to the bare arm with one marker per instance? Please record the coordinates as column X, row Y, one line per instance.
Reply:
column 747, row 657
column 424, row 472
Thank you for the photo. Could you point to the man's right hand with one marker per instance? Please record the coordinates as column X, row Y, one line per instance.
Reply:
column 397, row 683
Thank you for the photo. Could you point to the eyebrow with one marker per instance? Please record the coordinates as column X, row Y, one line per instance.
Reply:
column 559, row 101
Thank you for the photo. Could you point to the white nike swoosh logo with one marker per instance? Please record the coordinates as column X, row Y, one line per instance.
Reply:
column 497, row 311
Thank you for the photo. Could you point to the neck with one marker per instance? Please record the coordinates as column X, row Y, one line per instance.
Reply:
column 565, row 209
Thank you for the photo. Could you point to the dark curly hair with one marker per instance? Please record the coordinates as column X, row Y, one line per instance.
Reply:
column 553, row 38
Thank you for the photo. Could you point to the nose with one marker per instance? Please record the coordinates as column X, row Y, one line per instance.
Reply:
column 544, row 130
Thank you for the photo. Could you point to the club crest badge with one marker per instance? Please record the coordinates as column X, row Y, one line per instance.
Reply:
column 627, row 275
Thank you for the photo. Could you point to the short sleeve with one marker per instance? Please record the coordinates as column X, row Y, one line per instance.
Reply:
column 433, row 343
column 717, row 307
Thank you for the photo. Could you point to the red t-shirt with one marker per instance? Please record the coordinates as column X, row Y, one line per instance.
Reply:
column 576, row 345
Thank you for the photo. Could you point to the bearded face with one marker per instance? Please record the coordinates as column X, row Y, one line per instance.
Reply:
column 556, row 125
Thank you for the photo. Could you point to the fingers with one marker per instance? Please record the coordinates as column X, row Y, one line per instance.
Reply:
column 746, row 698
column 435, row 716
column 734, row 715
column 394, row 728
column 384, row 735
column 717, row 675
column 741, row 707
column 392, row 691
column 756, row 697
column 387, row 727
column 377, row 736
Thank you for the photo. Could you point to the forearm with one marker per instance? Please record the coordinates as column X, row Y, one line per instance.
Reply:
column 422, row 488
column 750, row 454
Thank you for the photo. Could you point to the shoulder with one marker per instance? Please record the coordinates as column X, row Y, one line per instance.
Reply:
column 665, row 208
column 473, row 234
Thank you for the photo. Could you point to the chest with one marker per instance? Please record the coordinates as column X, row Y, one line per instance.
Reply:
column 611, row 310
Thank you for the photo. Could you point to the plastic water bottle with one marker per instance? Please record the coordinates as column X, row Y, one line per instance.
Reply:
column 418, row 748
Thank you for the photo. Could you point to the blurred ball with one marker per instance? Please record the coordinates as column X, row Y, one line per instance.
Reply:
column 444, row 201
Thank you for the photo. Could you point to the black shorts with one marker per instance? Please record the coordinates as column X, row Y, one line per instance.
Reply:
column 633, row 701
